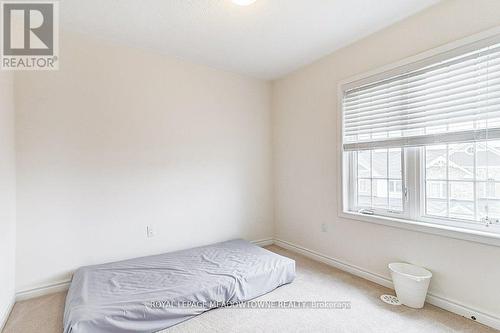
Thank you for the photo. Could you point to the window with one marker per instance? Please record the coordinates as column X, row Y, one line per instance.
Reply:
column 461, row 180
column 421, row 142
column 379, row 180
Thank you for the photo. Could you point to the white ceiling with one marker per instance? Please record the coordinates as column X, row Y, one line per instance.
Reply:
column 267, row 39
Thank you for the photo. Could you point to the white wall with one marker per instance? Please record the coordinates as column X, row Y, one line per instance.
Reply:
column 7, row 196
column 305, row 162
column 120, row 138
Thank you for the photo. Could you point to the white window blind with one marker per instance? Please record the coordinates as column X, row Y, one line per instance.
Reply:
column 453, row 97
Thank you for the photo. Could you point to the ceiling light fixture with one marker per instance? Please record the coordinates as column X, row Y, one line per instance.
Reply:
column 243, row 2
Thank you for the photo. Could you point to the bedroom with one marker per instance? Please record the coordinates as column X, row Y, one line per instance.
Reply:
column 166, row 126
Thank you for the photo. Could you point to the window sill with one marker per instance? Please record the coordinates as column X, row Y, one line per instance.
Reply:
column 484, row 237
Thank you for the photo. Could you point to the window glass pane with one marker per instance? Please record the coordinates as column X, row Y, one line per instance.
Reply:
column 461, row 200
column 488, row 195
column 435, row 162
column 461, row 161
column 379, row 179
column 437, row 189
column 470, row 167
column 461, row 190
column 379, row 163
column 436, row 198
column 395, row 195
column 364, row 163
column 488, row 160
column 395, row 163
column 364, row 193
column 481, row 161
column 364, row 187
column 379, row 187
column 494, row 202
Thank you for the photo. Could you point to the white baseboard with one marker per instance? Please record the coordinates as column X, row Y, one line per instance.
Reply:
column 42, row 290
column 263, row 242
column 3, row 320
column 355, row 270
column 464, row 311
column 441, row 302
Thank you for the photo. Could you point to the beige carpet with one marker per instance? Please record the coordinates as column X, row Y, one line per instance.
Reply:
column 315, row 281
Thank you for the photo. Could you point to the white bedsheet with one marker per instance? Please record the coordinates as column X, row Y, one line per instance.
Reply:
column 153, row 293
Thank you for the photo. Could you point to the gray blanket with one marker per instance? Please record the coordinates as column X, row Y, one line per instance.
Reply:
column 153, row 293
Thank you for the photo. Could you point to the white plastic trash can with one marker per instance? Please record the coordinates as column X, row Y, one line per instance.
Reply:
column 411, row 283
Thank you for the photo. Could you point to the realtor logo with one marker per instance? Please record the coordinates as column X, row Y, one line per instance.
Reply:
column 30, row 39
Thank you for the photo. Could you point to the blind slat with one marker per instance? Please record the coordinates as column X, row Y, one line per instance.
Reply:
column 456, row 83
column 415, row 111
column 422, row 140
column 446, row 97
column 433, row 100
column 440, row 67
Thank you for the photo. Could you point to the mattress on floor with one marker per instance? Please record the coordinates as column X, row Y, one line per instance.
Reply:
column 153, row 293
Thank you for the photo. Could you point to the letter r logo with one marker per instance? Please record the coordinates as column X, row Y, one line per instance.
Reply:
column 28, row 28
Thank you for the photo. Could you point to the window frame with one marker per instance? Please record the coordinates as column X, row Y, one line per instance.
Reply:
column 413, row 178
column 352, row 184
column 464, row 223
